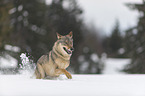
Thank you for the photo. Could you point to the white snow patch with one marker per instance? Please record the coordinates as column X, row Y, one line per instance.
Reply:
column 84, row 66
column 8, row 62
column 121, row 51
column 114, row 66
column 80, row 85
column 13, row 10
column 81, row 58
column 20, row 7
column 12, row 48
column 94, row 57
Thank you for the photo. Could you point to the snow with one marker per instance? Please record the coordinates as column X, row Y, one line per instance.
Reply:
column 8, row 62
column 114, row 65
column 12, row 48
column 80, row 85
column 27, row 65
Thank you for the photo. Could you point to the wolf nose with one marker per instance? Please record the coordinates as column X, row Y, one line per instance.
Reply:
column 72, row 49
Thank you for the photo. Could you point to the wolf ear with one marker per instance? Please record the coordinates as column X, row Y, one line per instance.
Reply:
column 70, row 34
column 59, row 36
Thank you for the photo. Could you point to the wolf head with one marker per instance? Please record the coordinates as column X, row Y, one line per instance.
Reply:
column 65, row 43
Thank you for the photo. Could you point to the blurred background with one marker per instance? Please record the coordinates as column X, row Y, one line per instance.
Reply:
column 109, row 35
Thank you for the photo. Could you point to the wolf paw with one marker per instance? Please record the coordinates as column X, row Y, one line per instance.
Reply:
column 68, row 75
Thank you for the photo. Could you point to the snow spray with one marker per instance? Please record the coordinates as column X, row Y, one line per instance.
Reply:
column 27, row 66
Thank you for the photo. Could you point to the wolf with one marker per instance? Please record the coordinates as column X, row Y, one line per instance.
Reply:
column 57, row 60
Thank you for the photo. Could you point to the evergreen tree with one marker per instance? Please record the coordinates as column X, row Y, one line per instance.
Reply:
column 135, row 42
column 27, row 26
column 5, row 28
column 115, row 39
column 113, row 43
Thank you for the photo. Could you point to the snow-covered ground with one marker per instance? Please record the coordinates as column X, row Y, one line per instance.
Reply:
column 80, row 85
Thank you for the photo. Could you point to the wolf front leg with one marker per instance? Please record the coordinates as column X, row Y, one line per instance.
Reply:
column 39, row 72
column 63, row 71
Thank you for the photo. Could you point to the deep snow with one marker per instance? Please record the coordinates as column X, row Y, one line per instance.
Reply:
column 80, row 85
